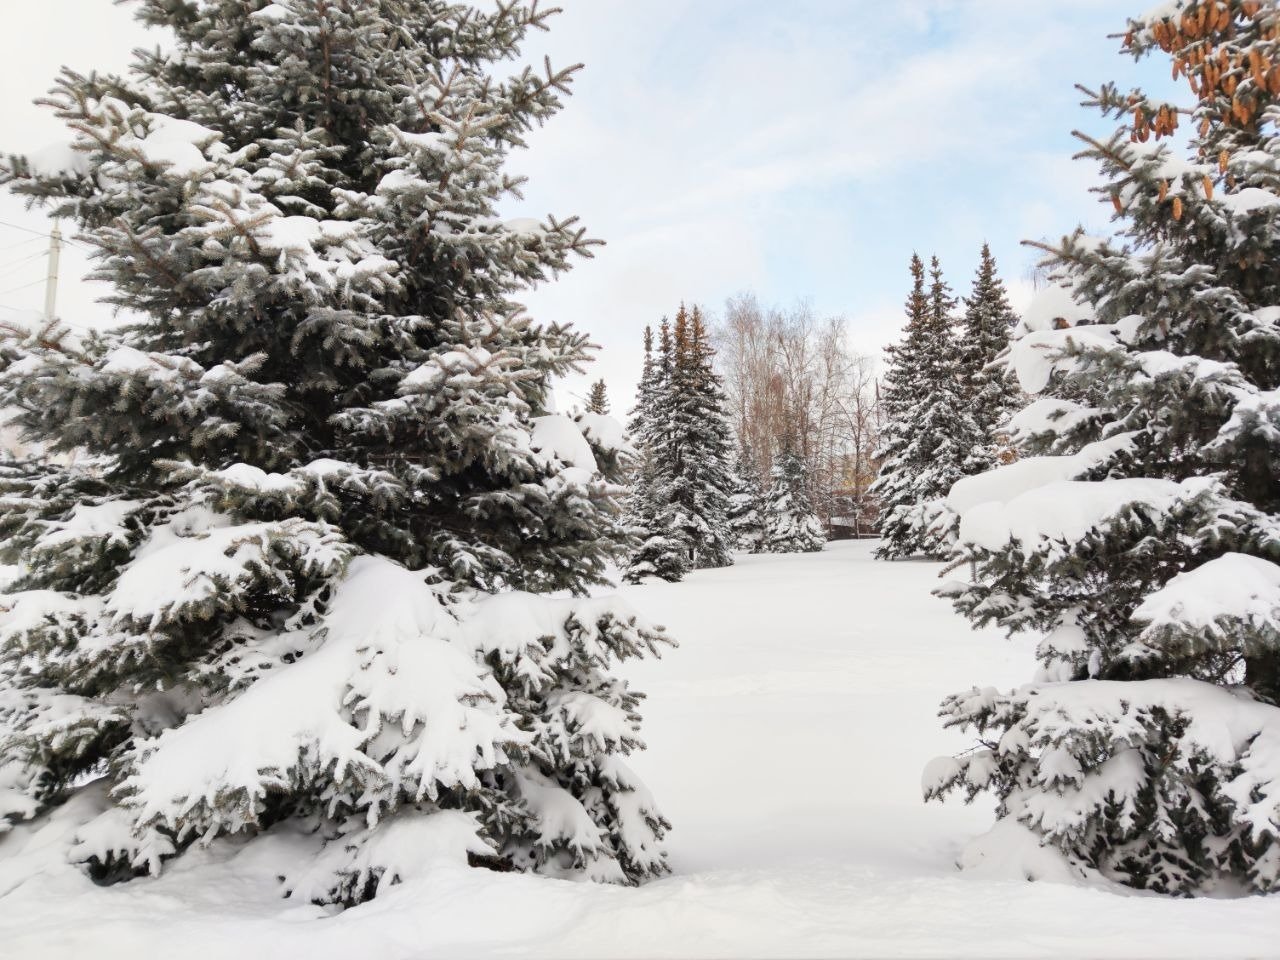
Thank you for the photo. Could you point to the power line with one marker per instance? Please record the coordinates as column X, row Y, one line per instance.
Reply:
column 41, row 233
column 21, row 260
column 13, row 309
column 23, row 287
column 17, row 264
column 20, row 243
column 18, row 226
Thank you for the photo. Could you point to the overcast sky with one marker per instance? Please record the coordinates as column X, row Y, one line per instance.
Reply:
column 800, row 149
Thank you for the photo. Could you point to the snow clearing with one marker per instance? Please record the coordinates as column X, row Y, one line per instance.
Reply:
column 787, row 738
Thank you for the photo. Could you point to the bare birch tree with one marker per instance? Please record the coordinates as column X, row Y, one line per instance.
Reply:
column 791, row 377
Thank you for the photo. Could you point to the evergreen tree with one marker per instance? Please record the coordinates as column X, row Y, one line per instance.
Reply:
column 927, row 430
column 682, row 507
column 651, row 517
column 746, row 504
column 1143, row 537
column 598, row 398
column 639, row 424
column 278, row 587
column 697, row 456
column 991, row 391
column 640, row 419
column 790, row 523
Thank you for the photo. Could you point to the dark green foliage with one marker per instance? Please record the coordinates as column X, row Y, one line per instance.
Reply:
column 680, row 500
column 746, row 504
column 992, row 394
column 327, row 382
column 790, row 523
column 1140, row 533
column 927, row 429
column 598, row 399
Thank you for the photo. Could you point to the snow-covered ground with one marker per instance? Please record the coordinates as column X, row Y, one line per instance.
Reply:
column 787, row 737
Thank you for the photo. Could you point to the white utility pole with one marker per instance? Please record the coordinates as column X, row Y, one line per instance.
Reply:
column 51, row 278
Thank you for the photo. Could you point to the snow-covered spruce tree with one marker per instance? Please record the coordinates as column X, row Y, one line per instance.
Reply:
column 992, row 394
column 1142, row 538
column 746, row 504
column 680, row 508
column 598, row 399
column 926, row 431
column 656, row 551
column 790, row 523
column 279, row 590
column 694, row 455
column 640, row 476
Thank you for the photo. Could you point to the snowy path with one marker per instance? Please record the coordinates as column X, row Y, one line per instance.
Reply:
column 787, row 736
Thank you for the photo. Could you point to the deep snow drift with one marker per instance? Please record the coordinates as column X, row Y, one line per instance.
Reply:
column 788, row 735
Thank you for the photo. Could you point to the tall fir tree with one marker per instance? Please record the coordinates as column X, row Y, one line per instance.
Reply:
column 598, row 398
column 638, row 420
column 639, row 423
column 927, row 429
column 1141, row 537
column 277, row 588
column 992, row 394
column 746, row 504
column 700, row 446
column 686, row 439
column 657, row 551
column 791, row 525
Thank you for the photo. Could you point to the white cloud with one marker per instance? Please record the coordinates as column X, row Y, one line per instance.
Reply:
column 720, row 145
column 774, row 113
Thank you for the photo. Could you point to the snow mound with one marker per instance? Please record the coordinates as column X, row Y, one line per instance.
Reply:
column 1047, row 415
column 1234, row 588
column 31, row 610
column 557, row 438
column 411, row 843
column 1063, row 510
column 605, row 432
column 1010, row 481
column 1036, row 357
column 103, row 521
column 182, row 148
column 59, row 159
column 183, row 575
column 1011, row 851
column 1055, row 307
